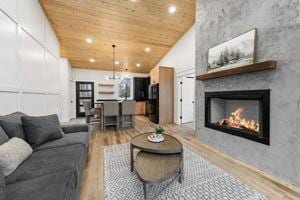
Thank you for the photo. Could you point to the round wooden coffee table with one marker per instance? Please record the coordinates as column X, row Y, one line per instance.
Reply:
column 156, row 162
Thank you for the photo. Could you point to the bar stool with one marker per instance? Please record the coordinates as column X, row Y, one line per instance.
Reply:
column 111, row 114
column 128, row 113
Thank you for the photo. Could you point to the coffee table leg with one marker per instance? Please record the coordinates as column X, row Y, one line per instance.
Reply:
column 146, row 190
column 131, row 158
column 181, row 169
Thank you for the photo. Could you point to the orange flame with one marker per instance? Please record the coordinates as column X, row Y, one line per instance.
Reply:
column 237, row 121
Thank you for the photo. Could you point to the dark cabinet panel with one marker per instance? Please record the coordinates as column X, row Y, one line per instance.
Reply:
column 154, row 103
column 141, row 87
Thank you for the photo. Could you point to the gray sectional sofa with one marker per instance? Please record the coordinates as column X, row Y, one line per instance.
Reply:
column 53, row 171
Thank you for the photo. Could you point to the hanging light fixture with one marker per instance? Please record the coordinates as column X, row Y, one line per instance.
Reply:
column 126, row 75
column 114, row 77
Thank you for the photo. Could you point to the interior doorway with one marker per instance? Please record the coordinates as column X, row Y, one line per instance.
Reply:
column 84, row 91
column 71, row 100
column 186, row 99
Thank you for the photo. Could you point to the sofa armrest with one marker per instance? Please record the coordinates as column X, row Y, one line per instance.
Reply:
column 75, row 128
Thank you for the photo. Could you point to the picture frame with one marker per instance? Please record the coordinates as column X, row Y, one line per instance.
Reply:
column 235, row 52
column 124, row 88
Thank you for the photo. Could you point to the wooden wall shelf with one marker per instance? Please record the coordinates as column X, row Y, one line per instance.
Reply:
column 106, row 92
column 267, row 65
column 106, row 84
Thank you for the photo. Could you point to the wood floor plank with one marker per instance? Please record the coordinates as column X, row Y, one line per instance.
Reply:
column 92, row 186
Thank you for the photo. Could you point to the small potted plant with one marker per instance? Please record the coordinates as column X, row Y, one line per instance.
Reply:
column 159, row 130
column 158, row 135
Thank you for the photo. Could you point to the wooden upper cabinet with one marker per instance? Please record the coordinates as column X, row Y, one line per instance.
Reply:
column 154, row 75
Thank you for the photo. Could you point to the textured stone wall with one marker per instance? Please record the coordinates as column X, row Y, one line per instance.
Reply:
column 278, row 30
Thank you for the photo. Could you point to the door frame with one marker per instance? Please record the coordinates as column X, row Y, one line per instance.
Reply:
column 177, row 103
column 71, row 99
column 189, row 76
column 77, row 83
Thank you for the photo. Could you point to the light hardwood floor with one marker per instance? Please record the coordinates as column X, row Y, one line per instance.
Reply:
column 92, row 183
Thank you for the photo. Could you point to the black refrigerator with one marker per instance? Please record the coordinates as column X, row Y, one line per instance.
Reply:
column 154, row 103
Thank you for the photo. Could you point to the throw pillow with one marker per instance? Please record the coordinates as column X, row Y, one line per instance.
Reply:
column 2, row 186
column 12, row 125
column 12, row 154
column 3, row 136
column 39, row 130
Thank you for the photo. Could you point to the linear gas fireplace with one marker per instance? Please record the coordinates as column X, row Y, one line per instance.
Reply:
column 241, row 113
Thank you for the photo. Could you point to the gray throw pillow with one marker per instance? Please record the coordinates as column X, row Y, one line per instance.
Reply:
column 2, row 186
column 3, row 136
column 12, row 154
column 12, row 125
column 39, row 130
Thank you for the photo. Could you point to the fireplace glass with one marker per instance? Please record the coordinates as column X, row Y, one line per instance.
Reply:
column 241, row 113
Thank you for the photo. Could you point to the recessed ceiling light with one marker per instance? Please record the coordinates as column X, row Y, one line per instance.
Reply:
column 117, row 62
column 138, row 64
column 89, row 40
column 147, row 49
column 172, row 9
column 92, row 60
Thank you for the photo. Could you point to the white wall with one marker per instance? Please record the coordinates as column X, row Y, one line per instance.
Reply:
column 29, row 60
column 182, row 57
column 99, row 76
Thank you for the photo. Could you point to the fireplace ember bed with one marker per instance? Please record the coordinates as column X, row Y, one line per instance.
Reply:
column 242, row 113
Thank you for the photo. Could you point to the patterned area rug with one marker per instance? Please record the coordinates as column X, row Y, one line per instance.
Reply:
column 202, row 180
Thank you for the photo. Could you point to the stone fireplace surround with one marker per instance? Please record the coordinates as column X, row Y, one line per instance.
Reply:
column 278, row 31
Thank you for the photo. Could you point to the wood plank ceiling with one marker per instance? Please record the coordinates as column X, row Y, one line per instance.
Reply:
column 132, row 25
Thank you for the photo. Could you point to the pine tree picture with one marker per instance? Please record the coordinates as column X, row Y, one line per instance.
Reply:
column 236, row 52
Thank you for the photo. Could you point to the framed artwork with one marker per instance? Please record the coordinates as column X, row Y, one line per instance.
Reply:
column 236, row 52
column 124, row 87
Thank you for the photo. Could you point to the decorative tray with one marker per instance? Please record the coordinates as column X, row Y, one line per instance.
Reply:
column 156, row 139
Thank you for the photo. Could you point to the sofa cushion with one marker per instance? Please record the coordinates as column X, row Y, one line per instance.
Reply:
column 12, row 125
column 58, row 186
column 3, row 137
column 41, row 129
column 67, row 139
column 74, row 128
column 2, row 187
column 12, row 154
column 50, row 161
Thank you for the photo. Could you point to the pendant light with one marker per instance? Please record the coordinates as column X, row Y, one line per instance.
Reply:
column 114, row 70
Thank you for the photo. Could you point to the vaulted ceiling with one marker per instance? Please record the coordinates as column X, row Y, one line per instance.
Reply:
column 132, row 25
